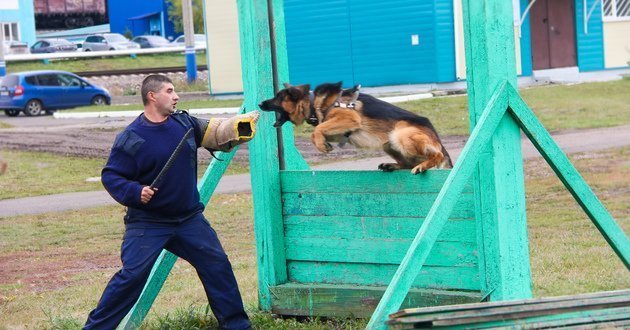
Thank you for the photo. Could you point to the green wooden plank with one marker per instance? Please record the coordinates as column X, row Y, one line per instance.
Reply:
column 364, row 181
column 442, row 207
column 375, row 205
column 571, row 178
column 490, row 60
column 352, row 301
column 257, row 86
column 348, row 227
column 377, row 251
column 166, row 260
column 452, row 278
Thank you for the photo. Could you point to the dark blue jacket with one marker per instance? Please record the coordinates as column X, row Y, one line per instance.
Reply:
column 138, row 155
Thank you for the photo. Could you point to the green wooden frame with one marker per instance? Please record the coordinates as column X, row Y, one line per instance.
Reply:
column 334, row 269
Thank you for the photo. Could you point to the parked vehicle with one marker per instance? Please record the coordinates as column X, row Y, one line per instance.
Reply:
column 152, row 41
column 200, row 40
column 15, row 47
column 108, row 41
column 32, row 92
column 69, row 14
column 53, row 46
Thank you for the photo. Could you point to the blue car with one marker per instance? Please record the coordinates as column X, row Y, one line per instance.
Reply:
column 35, row 91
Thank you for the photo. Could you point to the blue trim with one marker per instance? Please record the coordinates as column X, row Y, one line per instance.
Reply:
column 526, row 43
column 590, row 47
column 191, row 64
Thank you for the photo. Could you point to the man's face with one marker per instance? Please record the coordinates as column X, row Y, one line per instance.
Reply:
column 166, row 99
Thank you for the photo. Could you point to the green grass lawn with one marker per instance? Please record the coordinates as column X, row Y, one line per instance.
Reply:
column 53, row 267
column 184, row 105
column 107, row 63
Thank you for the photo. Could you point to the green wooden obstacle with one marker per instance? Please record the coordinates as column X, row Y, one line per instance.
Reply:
column 361, row 243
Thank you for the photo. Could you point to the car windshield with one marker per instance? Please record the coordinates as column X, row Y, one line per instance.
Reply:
column 10, row 81
column 115, row 38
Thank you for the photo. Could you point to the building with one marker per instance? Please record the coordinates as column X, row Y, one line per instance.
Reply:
column 141, row 18
column 378, row 42
column 18, row 20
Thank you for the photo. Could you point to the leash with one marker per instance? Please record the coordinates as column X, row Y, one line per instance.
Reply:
column 171, row 160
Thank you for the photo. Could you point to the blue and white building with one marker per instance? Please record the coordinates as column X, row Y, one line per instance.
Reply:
column 140, row 17
column 18, row 20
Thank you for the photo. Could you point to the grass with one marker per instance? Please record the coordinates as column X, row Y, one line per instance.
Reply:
column 53, row 267
column 107, row 63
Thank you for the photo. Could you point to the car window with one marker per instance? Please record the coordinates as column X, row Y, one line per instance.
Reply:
column 48, row 80
column 38, row 44
column 31, row 80
column 68, row 80
column 90, row 39
column 10, row 81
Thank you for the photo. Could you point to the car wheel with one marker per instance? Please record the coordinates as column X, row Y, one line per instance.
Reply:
column 99, row 100
column 12, row 112
column 33, row 108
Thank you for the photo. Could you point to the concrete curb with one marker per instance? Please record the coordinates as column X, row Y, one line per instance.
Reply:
column 209, row 111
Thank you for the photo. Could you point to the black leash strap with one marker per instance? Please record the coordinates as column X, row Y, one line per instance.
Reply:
column 171, row 160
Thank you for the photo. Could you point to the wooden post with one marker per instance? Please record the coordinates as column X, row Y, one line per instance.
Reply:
column 499, row 183
column 254, row 30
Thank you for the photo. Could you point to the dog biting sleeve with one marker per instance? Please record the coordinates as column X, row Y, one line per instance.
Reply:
column 225, row 133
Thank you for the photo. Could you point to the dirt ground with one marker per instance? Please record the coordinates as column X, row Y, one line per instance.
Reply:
column 93, row 137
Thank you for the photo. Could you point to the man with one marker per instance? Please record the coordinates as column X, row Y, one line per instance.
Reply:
column 169, row 215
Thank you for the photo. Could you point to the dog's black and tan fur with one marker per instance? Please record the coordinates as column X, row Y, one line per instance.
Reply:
column 365, row 121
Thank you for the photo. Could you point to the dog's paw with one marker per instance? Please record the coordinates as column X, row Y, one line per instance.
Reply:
column 387, row 167
column 325, row 147
column 418, row 169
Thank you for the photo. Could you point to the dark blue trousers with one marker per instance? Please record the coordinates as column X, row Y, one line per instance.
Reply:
column 193, row 240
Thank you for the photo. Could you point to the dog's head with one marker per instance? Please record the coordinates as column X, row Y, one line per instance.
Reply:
column 292, row 104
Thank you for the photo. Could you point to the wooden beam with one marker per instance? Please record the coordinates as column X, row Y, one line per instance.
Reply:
column 263, row 149
column 499, row 179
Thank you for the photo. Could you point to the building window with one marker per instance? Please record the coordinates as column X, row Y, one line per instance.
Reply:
column 616, row 10
column 11, row 31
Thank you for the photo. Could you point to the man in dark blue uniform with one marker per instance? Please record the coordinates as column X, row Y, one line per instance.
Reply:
column 170, row 215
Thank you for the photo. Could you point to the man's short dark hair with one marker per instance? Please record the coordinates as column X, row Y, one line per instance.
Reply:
column 152, row 83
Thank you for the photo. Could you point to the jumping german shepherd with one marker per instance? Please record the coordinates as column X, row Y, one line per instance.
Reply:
column 363, row 121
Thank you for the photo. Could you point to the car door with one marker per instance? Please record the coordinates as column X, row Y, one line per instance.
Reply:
column 75, row 92
column 37, row 47
column 143, row 42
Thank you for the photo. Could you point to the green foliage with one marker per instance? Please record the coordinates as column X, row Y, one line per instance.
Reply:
column 175, row 15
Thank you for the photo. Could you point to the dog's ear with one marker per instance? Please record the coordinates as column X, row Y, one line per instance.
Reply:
column 339, row 84
column 286, row 85
column 306, row 88
column 295, row 93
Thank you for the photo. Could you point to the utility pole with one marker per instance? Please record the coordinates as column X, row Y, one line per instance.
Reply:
column 189, row 37
column 3, row 64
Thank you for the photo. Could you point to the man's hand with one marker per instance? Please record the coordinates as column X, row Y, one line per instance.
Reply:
column 147, row 194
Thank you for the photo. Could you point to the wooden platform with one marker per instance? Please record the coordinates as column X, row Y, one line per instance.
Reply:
column 595, row 310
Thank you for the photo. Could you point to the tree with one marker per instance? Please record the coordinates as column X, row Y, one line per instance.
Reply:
column 175, row 15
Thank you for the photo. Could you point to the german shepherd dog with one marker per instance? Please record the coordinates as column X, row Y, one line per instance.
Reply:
column 363, row 121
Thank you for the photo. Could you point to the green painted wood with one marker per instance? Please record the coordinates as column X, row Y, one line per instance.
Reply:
column 571, row 178
column 352, row 301
column 382, row 205
column 452, row 278
column 442, row 207
column 376, row 251
column 349, row 227
column 490, row 59
column 364, row 182
column 292, row 157
column 166, row 260
column 258, row 86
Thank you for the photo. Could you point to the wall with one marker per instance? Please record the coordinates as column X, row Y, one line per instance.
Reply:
column 223, row 50
column 617, row 44
column 120, row 11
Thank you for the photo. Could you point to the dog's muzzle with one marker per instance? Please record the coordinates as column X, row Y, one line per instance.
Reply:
column 312, row 119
